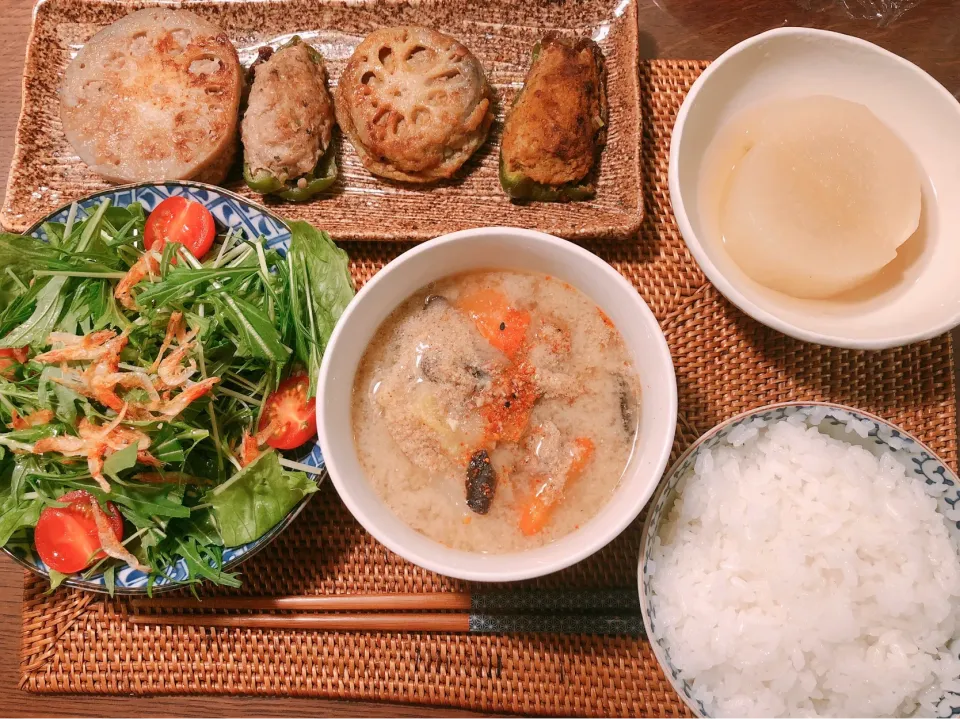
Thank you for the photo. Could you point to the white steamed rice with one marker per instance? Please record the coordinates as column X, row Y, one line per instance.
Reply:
column 799, row 575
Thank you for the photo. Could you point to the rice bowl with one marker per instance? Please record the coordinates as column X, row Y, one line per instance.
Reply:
column 793, row 564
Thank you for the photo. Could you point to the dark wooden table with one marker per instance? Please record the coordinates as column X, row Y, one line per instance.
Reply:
column 928, row 34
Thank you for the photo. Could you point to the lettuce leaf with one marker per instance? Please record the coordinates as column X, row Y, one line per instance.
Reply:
column 14, row 517
column 46, row 313
column 320, row 290
column 15, row 511
column 255, row 499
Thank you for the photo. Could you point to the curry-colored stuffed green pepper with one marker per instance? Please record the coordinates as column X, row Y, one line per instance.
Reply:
column 556, row 129
column 288, row 125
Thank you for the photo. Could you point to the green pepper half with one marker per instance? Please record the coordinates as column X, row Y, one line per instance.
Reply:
column 520, row 187
column 322, row 177
column 319, row 179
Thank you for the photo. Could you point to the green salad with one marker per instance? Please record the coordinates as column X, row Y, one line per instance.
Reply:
column 154, row 373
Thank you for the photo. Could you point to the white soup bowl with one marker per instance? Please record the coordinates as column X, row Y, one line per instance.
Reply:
column 917, row 296
column 514, row 249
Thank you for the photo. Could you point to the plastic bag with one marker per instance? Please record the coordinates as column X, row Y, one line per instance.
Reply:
column 883, row 12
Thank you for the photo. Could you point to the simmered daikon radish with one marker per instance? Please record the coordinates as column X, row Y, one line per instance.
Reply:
column 822, row 198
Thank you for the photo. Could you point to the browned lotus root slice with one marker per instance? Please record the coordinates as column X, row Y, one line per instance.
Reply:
column 415, row 103
column 154, row 96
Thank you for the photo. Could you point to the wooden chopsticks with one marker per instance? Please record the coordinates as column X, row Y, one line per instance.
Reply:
column 329, row 603
column 600, row 612
column 331, row 622
column 528, row 600
column 460, row 623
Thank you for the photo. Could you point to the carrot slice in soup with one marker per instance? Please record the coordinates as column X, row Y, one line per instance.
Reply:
column 503, row 326
column 536, row 513
column 508, row 416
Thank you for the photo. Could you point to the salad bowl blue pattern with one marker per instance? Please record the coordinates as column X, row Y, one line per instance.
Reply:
column 850, row 425
column 230, row 211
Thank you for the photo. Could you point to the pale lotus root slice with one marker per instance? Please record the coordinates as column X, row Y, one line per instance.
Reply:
column 415, row 103
column 154, row 96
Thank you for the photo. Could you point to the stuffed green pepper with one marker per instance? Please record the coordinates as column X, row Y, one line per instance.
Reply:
column 288, row 125
column 556, row 129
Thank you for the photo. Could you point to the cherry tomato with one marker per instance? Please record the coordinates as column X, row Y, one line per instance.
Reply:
column 20, row 354
column 66, row 537
column 178, row 219
column 293, row 416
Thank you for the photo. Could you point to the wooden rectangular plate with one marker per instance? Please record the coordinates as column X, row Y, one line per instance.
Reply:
column 47, row 174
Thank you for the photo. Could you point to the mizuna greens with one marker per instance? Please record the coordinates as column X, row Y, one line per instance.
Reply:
column 166, row 376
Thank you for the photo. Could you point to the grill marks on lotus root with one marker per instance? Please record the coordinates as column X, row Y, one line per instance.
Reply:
column 154, row 95
column 415, row 103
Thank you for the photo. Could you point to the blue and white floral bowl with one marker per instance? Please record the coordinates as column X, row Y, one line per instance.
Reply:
column 872, row 433
column 229, row 210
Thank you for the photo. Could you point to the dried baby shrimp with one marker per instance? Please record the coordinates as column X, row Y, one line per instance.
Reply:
column 170, row 371
column 179, row 403
column 90, row 347
column 100, row 379
column 251, row 443
column 109, row 543
column 147, row 266
column 34, row 419
column 97, row 442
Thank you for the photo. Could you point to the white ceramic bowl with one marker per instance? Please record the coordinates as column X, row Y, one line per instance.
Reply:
column 499, row 248
column 920, row 298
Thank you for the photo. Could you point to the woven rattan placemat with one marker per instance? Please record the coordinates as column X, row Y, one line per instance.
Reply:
column 726, row 363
